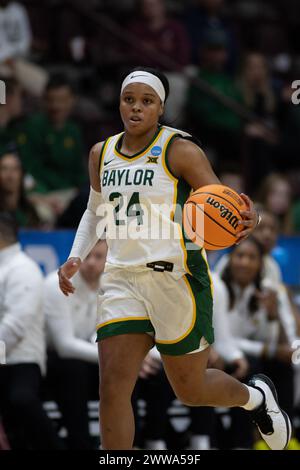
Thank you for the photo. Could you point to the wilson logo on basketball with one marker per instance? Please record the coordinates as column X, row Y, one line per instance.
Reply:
column 225, row 213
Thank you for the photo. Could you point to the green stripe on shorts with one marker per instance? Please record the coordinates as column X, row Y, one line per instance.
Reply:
column 124, row 327
column 203, row 324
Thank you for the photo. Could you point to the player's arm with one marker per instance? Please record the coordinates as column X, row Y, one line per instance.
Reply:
column 186, row 160
column 86, row 235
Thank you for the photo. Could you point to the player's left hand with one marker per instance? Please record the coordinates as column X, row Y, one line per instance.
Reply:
column 250, row 219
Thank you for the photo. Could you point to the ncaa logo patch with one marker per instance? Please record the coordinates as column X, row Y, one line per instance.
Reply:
column 156, row 150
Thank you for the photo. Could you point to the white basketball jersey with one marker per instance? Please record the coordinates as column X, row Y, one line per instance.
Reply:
column 142, row 193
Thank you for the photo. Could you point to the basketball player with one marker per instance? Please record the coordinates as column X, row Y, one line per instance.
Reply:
column 154, row 290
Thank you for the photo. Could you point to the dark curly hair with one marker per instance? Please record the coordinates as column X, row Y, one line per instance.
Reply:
column 228, row 278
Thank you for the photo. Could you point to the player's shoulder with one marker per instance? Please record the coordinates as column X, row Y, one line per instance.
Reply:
column 187, row 147
column 182, row 140
column 95, row 153
column 97, row 148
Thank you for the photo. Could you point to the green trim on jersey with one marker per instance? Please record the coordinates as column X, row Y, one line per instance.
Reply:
column 175, row 136
column 117, row 146
column 124, row 327
column 203, row 323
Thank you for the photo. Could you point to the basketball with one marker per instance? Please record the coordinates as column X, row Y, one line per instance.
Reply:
column 211, row 215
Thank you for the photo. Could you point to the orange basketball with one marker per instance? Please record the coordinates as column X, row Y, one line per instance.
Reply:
column 211, row 215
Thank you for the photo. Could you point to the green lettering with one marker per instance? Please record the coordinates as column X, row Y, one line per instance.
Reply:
column 118, row 207
column 148, row 177
column 127, row 182
column 112, row 178
column 104, row 178
column 120, row 174
column 134, row 208
column 138, row 176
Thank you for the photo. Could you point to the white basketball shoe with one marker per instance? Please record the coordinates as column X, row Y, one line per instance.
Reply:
column 273, row 423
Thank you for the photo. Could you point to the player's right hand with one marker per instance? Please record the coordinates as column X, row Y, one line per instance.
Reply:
column 65, row 272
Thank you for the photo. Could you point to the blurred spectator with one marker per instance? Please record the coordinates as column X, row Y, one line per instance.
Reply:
column 275, row 195
column 15, row 31
column 289, row 151
column 71, row 216
column 12, row 191
column 266, row 233
column 256, row 85
column 256, row 325
column 53, row 151
column 215, row 124
column 224, row 343
column 231, row 176
column 158, row 34
column 258, row 95
column 296, row 216
column 15, row 41
column 71, row 325
column 9, row 112
column 207, row 15
column 22, row 330
column 71, row 41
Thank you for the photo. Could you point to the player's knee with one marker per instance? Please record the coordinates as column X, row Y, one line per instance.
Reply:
column 108, row 391
column 114, row 388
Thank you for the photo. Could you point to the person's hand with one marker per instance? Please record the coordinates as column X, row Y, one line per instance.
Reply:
column 241, row 368
column 269, row 300
column 55, row 203
column 255, row 130
column 250, row 219
column 65, row 272
column 151, row 366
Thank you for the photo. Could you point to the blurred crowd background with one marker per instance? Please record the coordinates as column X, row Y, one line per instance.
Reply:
column 231, row 66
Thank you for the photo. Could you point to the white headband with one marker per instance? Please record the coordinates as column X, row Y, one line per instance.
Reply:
column 148, row 79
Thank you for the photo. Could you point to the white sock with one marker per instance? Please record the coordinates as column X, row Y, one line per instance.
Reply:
column 255, row 398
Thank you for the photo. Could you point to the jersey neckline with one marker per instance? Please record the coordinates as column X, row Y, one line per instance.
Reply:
column 141, row 152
